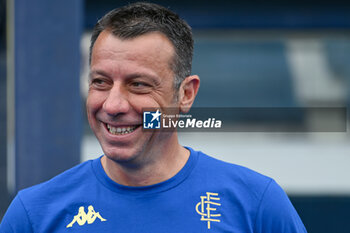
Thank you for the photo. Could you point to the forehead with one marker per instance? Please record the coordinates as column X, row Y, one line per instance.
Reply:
column 151, row 50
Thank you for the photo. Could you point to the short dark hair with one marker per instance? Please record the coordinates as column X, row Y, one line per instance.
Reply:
column 140, row 18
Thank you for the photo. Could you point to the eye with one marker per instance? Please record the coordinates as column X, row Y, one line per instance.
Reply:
column 140, row 87
column 99, row 83
column 139, row 84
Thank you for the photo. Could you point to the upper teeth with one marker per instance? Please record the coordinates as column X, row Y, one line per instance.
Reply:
column 120, row 130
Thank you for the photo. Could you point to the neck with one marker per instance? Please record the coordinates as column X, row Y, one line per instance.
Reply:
column 164, row 163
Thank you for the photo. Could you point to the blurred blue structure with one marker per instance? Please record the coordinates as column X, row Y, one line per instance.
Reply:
column 227, row 78
column 338, row 57
column 46, row 88
column 204, row 14
column 4, row 199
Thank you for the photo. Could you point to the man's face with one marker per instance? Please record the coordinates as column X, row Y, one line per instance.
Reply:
column 126, row 76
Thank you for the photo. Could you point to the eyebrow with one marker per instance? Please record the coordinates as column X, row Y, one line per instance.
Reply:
column 140, row 75
column 98, row 72
column 154, row 78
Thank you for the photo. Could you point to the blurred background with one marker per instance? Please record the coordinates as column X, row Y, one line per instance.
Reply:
column 247, row 54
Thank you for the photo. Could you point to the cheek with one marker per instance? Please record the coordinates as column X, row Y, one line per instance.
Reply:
column 89, row 110
column 90, row 105
column 94, row 102
column 138, row 102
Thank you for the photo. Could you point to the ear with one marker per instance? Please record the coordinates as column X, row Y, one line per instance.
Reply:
column 187, row 92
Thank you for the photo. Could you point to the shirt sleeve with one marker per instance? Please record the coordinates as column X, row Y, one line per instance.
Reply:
column 276, row 213
column 16, row 219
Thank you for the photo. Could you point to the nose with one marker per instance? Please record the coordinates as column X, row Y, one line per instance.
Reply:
column 116, row 101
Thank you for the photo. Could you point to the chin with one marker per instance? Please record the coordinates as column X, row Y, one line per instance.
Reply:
column 120, row 155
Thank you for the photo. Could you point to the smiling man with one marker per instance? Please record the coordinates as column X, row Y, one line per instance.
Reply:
column 127, row 75
column 140, row 57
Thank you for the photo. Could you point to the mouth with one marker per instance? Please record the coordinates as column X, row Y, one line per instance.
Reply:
column 121, row 130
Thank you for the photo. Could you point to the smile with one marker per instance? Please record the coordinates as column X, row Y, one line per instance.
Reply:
column 120, row 130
